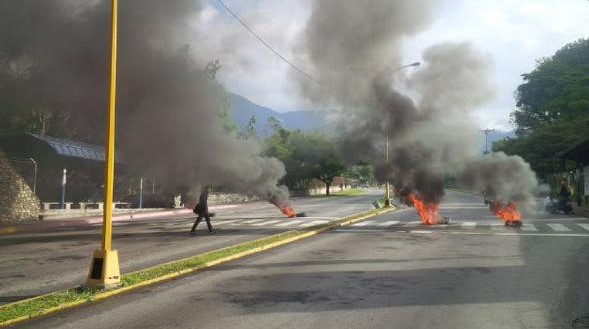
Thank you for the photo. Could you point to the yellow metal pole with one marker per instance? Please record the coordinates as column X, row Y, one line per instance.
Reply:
column 104, row 271
column 110, row 141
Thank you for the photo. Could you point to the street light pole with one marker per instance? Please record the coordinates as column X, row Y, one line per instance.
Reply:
column 35, row 177
column 387, row 188
column 104, row 271
column 487, row 131
column 387, row 191
column 63, row 182
column 141, row 193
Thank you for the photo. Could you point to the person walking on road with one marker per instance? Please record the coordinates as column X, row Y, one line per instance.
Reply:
column 202, row 210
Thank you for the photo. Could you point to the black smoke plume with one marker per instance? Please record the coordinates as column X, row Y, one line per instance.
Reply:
column 353, row 48
column 55, row 54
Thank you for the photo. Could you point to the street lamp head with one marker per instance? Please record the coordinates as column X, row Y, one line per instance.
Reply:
column 414, row 64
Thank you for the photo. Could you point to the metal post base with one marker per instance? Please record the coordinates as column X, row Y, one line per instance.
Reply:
column 104, row 272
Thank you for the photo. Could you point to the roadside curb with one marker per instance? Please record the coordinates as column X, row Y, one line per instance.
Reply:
column 9, row 230
column 234, row 252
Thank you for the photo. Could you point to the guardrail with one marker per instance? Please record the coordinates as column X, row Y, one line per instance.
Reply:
column 46, row 206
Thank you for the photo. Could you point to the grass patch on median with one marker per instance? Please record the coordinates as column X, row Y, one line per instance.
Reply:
column 39, row 306
column 350, row 192
column 52, row 302
column 45, row 304
column 201, row 260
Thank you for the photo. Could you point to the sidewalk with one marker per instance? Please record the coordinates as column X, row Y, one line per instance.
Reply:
column 122, row 216
column 581, row 211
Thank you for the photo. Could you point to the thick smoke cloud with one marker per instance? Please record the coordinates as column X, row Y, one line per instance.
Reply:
column 501, row 177
column 55, row 55
column 354, row 50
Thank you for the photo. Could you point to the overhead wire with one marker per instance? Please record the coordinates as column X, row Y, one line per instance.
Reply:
column 266, row 44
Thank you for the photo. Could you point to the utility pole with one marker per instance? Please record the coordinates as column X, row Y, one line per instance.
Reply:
column 104, row 271
column 387, row 192
column 487, row 132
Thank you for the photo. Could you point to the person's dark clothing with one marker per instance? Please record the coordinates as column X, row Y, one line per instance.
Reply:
column 564, row 191
column 202, row 210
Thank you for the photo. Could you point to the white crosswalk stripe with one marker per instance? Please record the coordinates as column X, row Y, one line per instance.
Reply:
column 497, row 226
column 269, row 222
column 315, row 222
column 559, row 227
column 528, row 228
column 413, row 223
column 253, row 221
column 225, row 222
column 366, row 223
column 388, row 223
column 470, row 225
column 289, row 223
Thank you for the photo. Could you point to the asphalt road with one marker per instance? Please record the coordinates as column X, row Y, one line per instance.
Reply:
column 56, row 254
column 387, row 272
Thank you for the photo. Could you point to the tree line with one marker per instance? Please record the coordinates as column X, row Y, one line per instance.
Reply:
column 552, row 110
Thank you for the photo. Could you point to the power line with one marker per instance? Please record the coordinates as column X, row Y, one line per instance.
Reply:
column 267, row 45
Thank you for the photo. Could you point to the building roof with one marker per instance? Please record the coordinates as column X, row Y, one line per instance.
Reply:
column 73, row 149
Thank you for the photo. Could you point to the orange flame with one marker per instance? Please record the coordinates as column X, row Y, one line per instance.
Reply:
column 429, row 212
column 288, row 211
column 507, row 213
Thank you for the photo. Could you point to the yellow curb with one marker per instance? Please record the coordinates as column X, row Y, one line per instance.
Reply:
column 9, row 230
column 116, row 291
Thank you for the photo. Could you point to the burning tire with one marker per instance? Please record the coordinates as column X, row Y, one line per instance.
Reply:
column 513, row 223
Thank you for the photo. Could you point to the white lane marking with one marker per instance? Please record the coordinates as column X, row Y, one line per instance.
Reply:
column 584, row 226
column 225, row 222
column 388, row 223
column 366, row 223
column 357, row 230
column 315, row 222
column 412, row 223
column 270, row 222
column 561, row 219
column 559, row 227
column 462, row 207
column 516, row 234
column 528, row 227
column 497, row 226
column 289, row 223
column 421, row 231
column 468, row 224
column 253, row 221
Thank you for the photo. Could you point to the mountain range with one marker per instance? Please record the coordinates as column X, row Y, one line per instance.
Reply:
column 242, row 109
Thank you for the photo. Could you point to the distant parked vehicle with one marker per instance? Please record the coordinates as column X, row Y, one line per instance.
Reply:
column 562, row 205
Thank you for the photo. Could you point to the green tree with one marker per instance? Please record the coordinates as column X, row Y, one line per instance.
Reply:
column 360, row 174
column 316, row 153
column 305, row 156
column 552, row 108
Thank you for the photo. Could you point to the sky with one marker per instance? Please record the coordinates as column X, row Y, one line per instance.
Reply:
column 514, row 34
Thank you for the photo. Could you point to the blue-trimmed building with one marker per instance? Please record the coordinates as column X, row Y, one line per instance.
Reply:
column 41, row 159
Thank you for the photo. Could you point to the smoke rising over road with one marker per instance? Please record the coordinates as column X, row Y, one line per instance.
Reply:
column 354, row 48
column 54, row 56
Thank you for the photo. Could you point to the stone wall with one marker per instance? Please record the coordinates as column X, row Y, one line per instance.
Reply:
column 17, row 201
